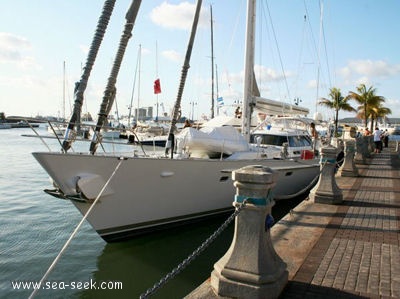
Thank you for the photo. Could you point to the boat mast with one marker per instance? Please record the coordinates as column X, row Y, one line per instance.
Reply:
column 157, row 79
column 216, row 76
column 249, row 101
column 133, row 89
column 80, row 86
column 212, row 64
column 63, row 106
column 110, row 91
column 138, row 96
column 319, row 53
column 185, row 68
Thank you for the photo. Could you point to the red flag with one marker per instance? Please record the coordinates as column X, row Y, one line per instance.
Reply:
column 157, row 86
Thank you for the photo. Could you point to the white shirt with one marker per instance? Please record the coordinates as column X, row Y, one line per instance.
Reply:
column 377, row 135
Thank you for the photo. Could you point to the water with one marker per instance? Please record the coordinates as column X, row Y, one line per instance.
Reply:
column 35, row 226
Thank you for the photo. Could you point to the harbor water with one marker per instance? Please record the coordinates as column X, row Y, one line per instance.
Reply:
column 35, row 226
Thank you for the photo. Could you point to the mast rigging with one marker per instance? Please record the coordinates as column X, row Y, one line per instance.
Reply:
column 80, row 86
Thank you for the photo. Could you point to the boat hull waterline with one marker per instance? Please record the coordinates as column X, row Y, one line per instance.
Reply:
column 147, row 194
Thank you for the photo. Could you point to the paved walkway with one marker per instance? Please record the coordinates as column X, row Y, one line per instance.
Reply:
column 357, row 254
column 349, row 250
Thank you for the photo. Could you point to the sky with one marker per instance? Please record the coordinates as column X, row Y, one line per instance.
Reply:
column 303, row 48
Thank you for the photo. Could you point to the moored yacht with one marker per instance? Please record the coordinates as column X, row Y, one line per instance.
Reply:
column 134, row 194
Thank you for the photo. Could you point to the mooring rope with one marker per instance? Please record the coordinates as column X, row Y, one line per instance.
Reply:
column 53, row 264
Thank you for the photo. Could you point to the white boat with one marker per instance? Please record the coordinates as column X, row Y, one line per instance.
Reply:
column 270, row 134
column 148, row 193
column 57, row 128
column 111, row 134
column 5, row 126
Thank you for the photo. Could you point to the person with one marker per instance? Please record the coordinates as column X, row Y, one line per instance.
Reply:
column 187, row 124
column 367, row 132
column 238, row 113
column 314, row 135
column 385, row 138
column 377, row 140
column 314, row 132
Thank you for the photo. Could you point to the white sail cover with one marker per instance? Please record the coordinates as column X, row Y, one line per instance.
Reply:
column 212, row 139
column 271, row 107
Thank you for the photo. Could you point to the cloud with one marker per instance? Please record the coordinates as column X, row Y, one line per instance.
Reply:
column 267, row 74
column 369, row 69
column 312, row 84
column 13, row 48
column 172, row 55
column 377, row 68
column 363, row 80
column 179, row 16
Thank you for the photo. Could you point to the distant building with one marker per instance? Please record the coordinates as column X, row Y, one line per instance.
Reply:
column 144, row 113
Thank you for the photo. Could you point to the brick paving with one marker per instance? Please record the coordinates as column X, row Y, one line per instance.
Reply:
column 357, row 255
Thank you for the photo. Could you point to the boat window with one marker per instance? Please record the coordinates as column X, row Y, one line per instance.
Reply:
column 294, row 141
column 268, row 139
column 307, row 141
column 299, row 141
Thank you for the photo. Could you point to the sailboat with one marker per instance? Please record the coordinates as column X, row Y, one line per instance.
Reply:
column 148, row 193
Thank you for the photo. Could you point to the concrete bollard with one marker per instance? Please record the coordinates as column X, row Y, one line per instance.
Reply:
column 349, row 133
column 251, row 268
column 371, row 145
column 369, row 148
column 326, row 190
column 349, row 168
column 361, row 149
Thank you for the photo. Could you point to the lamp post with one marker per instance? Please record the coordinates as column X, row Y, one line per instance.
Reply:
column 297, row 101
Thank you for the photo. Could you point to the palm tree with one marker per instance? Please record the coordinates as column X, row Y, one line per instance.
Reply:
column 379, row 112
column 337, row 102
column 368, row 100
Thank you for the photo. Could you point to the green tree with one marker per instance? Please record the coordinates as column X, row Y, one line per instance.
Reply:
column 368, row 100
column 337, row 102
column 378, row 112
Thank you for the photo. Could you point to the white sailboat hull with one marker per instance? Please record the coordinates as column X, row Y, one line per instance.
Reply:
column 149, row 193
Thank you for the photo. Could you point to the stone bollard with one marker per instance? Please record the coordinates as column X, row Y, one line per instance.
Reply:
column 361, row 149
column 369, row 148
column 349, row 133
column 371, row 145
column 349, row 168
column 326, row 190
column 251, row 268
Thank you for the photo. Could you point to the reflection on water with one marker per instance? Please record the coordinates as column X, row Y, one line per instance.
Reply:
column 142, row 262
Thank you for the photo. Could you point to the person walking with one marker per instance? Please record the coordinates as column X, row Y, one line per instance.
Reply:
column 378, row 140
column 386, row 138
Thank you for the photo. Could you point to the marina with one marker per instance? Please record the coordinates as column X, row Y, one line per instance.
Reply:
column 329, row 249
column 254, row 199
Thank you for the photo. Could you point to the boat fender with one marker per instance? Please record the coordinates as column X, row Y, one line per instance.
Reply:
column 90, row 185
column 166, row 174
